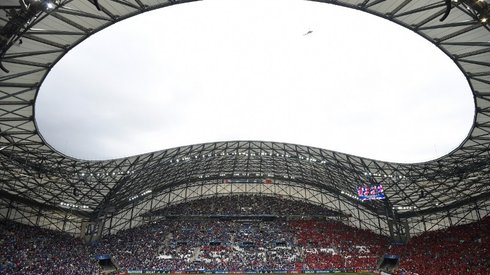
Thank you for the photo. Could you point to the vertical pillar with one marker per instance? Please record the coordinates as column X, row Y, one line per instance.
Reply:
column 398, row 229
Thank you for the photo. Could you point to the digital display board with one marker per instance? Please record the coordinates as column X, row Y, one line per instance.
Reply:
column 371, row 192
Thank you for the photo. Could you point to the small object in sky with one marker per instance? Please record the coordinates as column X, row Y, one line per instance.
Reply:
column 310, row 31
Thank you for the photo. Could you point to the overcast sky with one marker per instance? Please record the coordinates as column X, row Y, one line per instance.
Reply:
column 277, row 70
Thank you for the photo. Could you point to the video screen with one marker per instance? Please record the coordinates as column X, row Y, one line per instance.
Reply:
column 371, row 192
column 265, row 181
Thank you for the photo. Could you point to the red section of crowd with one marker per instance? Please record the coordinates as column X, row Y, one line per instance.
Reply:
column 463, row 249
column 336, row 245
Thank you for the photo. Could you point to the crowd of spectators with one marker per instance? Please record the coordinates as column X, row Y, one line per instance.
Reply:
column 462, row 249
column 243, row 205
column 28, row 249
column 331, row 244
column 204, row 245
column 241, row 244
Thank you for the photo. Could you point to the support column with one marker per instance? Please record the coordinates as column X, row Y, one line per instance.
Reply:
column 399, row 229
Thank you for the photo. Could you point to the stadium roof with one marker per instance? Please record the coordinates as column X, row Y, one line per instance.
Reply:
column 221, row 70
column 33, row 173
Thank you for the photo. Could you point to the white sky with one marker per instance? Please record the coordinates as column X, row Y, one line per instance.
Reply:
column 221, row 70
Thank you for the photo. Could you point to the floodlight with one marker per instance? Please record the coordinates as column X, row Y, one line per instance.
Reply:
column 49, row 5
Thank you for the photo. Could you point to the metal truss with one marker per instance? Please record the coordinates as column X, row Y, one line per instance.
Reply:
column 41, row 186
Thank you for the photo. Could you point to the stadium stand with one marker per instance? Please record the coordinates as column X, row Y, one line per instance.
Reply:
column 244, row 245
column 32, row 250
column 243, row 205
column 463, row 249
column 328, row 244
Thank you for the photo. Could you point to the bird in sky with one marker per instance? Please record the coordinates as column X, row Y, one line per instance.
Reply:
column 310, row 31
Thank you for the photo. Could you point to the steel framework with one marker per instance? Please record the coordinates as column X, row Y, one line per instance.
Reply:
column 41, row 186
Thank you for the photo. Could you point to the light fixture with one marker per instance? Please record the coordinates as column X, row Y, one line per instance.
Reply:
column 40, row 5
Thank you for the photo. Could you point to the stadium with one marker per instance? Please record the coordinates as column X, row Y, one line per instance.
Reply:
column 236, row 206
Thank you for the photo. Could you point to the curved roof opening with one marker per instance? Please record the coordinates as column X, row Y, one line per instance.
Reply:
column 286, row 70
